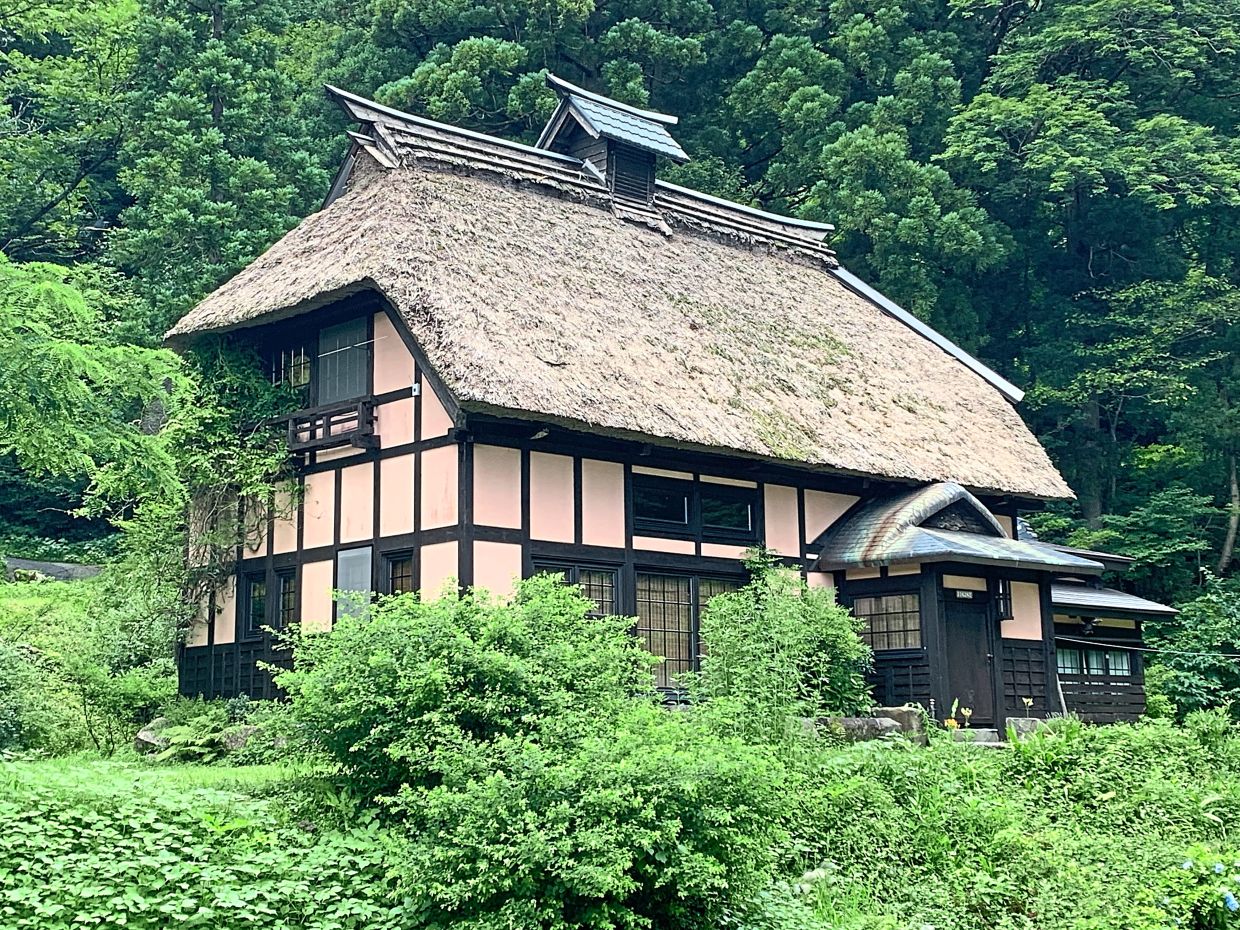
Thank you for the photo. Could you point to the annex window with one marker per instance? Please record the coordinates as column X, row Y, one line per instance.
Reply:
column 255, row 605
column 400, row 573
column 715, row 512
column 890, row 621
column 1097, row 662
column 597, row 584
column 287, row 611
column 1003, row 600
column 344, row 361
column 353, row 581
column 668, row 608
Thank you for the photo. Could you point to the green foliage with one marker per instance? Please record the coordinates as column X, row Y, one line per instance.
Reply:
column 1196, row 668
column 396, row 695
column 103, row 846
column 778, row 650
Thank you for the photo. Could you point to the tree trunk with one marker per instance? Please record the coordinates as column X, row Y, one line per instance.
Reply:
column 1233, row 518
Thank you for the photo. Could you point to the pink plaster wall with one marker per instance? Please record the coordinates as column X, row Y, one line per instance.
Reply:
column 254, row 523
column 497, row 486
column 656, row 544
column 337, row 454
column 782, row 532
column 909, row 568
column 393, row 363
column 439, row 487
column 319, row 508
column 226, row 612
column 496, row 566
column 439, row 564
column 1006, row 523
column 822, row 508
column 284, row 539
column 859, row 574
column 357, row 502
column 435, row 418
column 602, row 502
column 662, row 472
column 396, row 479
column 394, row 422
column 717, row 551
column 551, row 497
column 1026, row 622
column 733, row 482
column 820, row 579
column 964, row 582
column 316, row 596
column 200, row 625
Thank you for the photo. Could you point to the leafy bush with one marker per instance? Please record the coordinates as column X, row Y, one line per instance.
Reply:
column 1193, row 670
column 391, row 695
column 777, row 650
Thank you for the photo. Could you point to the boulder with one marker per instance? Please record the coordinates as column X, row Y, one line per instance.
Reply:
column 150, row 738
column 910, row 718
column 236, row 737
column 1021, row 727
column 861, row 729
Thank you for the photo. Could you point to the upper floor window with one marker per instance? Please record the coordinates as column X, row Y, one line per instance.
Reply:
column 344, row 361
column 334, row 366
column 715, row 512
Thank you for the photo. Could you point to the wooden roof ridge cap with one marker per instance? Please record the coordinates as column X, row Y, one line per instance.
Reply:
column 733, row 206
column 567, row 87
column 720, row 220
column 889, row 306
column 477, row 153
column 357, row 107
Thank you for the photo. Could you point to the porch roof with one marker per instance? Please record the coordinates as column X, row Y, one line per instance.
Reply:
column 937, row 523
column 1104, row 602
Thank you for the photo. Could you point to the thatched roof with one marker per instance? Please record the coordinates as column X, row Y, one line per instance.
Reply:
column 711, row 327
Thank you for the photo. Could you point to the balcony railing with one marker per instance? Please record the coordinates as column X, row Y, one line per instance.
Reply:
column 333, row 425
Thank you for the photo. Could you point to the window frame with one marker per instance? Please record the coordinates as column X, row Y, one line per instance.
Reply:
column 696, row 605
column 694, row 490
column 249, row 629
column 867, row 633
column 389, row 560
column 284, row 615
column 288, row 340
column 1107, row 652
column 369, row 592
column 571, row 570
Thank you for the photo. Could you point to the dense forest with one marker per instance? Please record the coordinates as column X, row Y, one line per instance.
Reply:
column 1055, row 184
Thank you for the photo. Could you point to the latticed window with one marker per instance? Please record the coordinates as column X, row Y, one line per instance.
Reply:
column 891, row 621
column 288, row 599
column 291, row 366
column 598, row 584
column 400, row 574
column 255, row 604
column 668, row 608
column 1098, row 662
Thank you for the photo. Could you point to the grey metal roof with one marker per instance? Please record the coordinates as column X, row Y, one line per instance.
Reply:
column 885, row 531
column 611, row 122
column 1099, row 601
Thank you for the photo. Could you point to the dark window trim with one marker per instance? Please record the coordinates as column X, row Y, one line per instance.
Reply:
column 740, row 579
column 1107, row 650
column 388, row 559
column 572, row 569
column 279, row 620
column 849, row 600
column 694, row 529
column 250, row 631
column 287, row 337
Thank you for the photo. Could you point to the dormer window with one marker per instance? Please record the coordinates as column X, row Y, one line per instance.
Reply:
column 617, row 142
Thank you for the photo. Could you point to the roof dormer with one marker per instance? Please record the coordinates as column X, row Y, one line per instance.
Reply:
column 618, row 142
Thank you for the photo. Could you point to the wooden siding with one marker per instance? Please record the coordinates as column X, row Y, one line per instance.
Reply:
column 1024, row 676
column 901, row 679
column 1104, row 699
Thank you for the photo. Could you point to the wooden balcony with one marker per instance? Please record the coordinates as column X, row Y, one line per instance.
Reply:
column 333, row 425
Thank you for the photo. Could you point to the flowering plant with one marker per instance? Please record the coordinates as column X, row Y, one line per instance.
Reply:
column 1207, row 891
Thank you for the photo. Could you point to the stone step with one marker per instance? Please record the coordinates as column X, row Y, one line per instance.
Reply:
column 982, row 736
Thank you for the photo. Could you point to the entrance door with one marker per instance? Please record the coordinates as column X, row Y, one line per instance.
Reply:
column 970, row 659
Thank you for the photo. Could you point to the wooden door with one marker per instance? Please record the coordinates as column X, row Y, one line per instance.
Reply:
column 970, row 659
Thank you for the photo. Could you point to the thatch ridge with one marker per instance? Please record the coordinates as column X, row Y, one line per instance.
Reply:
column 548, row 306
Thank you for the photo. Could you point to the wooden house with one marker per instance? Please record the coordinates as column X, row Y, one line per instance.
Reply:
column 524, row 358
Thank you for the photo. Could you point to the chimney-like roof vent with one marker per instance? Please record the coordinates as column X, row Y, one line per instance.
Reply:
column 619, row 142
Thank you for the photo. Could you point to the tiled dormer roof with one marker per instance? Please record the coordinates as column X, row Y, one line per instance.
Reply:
column 701, row 324
column 643, row 129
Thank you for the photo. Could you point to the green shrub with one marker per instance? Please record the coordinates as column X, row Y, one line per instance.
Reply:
column 651, row 821
column 388, row 694
column 778, row 650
